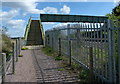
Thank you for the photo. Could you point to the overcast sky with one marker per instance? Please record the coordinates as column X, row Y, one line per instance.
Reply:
column 15, row 15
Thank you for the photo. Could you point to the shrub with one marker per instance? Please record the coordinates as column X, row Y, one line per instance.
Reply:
column 6, row 44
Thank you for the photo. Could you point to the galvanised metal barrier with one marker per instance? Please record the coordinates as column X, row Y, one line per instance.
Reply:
column 95, row 46
column 7, row 62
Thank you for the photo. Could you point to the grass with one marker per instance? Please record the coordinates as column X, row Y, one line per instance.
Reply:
column 24, row 48
column 20, row 55
column 50, row 52
column 83, row 74
column 47, row 50
column 58, row 58
column 61, row 69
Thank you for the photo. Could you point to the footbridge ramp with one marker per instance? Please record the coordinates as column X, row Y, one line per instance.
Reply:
column 34, row 34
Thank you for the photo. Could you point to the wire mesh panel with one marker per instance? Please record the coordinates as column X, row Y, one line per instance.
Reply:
column 83, row 42
column 91, row 35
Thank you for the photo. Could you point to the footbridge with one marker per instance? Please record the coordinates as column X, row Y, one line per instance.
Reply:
column 34, row 34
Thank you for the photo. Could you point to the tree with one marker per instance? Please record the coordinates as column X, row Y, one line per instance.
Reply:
column 116, row 11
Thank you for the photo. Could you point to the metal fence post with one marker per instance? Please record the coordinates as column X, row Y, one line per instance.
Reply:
column 109, row 53
column 91, row 63
column 52, row 43
column 53, row 39
column 3, row 66
column 70, row 58
column 13, row 59
column 69, row 45
column 19, row 45
column 16, row 50
column 118, row 25
column 59, row 46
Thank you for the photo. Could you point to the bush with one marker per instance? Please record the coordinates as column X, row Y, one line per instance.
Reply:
column 6, row 44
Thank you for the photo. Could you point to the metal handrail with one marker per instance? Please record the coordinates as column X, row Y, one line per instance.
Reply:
column 27, row 28
column 41, row 27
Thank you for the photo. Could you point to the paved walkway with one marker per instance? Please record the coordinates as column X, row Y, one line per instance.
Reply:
column 35, row 66
column 24, row 69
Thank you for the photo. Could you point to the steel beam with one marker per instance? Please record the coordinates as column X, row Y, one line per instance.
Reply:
column 71, row 18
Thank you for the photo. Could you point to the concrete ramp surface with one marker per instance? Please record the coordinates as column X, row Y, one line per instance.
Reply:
column 34, row 34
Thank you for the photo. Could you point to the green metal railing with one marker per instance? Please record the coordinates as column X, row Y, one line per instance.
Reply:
column 27, row 29
column 41, row 27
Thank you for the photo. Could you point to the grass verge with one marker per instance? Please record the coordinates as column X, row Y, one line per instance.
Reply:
column 83, row 74
column 50, row 52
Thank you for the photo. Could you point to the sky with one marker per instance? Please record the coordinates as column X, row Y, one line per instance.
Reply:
column 15, row 15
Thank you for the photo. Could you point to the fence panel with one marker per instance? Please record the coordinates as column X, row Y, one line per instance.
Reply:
column 92, row 45
column 8, row 61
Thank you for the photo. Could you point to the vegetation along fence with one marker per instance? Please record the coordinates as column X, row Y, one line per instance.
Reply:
column 8, row 61
column 95, row 46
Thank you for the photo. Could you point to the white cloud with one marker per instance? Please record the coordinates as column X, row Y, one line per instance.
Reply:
column 65, row 9
column 16, row 27
column 48, row 23
column 60, row 25
column 16, row 23
column 8, row 15
column 22, row 8
column 29, row 7
column 50, row 10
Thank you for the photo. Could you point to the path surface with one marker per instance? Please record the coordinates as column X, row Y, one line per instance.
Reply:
column 35, row 66
column 49, row 70
column 24, row 69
